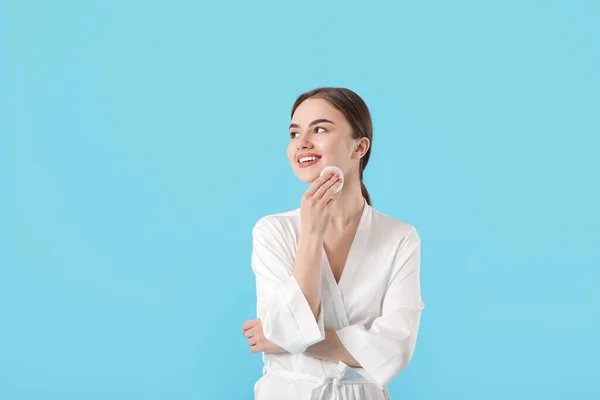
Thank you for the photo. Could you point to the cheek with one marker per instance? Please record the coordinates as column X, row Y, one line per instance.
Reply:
column 328, row 145
column 337, row 149
column 290, row 152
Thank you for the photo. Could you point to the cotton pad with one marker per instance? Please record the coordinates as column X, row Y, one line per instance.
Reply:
column 336, row 170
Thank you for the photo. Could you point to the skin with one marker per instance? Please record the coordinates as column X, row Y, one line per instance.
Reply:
column 317, row 127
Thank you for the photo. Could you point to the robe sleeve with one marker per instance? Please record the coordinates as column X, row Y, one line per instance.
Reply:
column 286, row 317
column 386, row 348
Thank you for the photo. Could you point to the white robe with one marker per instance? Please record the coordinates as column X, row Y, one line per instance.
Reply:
column 375, row 309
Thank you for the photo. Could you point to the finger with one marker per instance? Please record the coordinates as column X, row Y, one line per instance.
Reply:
column 253, row 340
column 328, row 189
column 248, row 324
column 329, row 196
column 245, row 327
column 250, row 332
column 317, row 184
column 257, row 348
column 323, row 188
column 251, row 322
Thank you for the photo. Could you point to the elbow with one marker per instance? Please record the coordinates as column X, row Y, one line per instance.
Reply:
column 388, row 370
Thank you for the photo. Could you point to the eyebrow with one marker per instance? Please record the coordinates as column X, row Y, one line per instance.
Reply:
column 316, row 121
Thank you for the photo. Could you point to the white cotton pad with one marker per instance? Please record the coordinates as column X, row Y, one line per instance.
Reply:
column 338, row 171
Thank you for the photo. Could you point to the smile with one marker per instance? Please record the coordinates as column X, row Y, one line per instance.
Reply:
column 308, row 161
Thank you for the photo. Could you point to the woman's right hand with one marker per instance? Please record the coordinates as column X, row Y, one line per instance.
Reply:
column 315, row 203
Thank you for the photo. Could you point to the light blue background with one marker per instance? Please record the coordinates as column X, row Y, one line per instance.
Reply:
column 140, row 141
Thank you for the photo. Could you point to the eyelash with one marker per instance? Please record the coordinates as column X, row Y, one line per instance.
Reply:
column 316, row 127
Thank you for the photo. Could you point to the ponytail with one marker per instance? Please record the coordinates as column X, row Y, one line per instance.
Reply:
column 365, row 192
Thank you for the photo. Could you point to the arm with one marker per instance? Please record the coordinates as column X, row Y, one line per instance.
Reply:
column 308, row 269
column 289, row 319
column 331, row 349
column 385, row 349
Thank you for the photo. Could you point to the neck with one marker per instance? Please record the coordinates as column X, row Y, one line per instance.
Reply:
column 348, row 206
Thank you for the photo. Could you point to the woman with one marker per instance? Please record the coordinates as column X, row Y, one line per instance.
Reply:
column 338, row 291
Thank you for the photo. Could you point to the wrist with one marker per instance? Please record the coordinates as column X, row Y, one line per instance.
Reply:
column 311, row 240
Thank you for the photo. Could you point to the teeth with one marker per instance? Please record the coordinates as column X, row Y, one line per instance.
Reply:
column 305, row 159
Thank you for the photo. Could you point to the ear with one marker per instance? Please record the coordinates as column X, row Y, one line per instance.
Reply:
column 362, row 146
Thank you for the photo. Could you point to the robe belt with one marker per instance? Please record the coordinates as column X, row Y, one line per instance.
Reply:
column 328, row 387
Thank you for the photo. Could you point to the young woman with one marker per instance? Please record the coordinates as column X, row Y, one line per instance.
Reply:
column 338, row 291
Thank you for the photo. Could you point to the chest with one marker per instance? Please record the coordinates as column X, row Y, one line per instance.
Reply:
column 337, row 248
column 356, row 269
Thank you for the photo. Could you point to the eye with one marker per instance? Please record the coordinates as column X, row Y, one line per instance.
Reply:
column 292, row 134
column 319, row 127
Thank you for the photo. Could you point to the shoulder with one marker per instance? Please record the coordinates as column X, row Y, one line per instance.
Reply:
column 275, row 234
column 277, row 223
column 399, row 231
column 395, row 237
column 399, row 240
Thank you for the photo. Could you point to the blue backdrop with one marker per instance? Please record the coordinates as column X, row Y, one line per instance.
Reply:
column 140, row 142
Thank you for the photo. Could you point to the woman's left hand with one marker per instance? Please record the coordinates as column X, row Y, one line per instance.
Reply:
column 256, row 339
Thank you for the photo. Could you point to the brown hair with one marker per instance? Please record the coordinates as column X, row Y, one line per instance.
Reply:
column 357, row 114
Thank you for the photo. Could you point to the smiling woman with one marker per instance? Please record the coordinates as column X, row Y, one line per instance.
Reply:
column 344, row 118
column 338, row 282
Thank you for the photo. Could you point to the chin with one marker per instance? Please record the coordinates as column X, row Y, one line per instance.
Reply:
column 310, row 173
column 307, row 176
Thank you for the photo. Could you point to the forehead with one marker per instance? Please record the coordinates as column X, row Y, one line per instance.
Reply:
column 312, row 109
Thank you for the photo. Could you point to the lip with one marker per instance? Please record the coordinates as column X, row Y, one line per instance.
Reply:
column 306, row 155
column 307, row 164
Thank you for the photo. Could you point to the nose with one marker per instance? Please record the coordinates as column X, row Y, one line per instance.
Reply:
column 302, row 143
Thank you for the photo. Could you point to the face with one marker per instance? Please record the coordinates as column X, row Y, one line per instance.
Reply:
column 320, row 130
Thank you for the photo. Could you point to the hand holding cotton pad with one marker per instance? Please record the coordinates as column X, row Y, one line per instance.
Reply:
column 336, row 170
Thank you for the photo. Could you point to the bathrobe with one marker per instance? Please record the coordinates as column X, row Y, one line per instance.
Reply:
column 375, row 309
